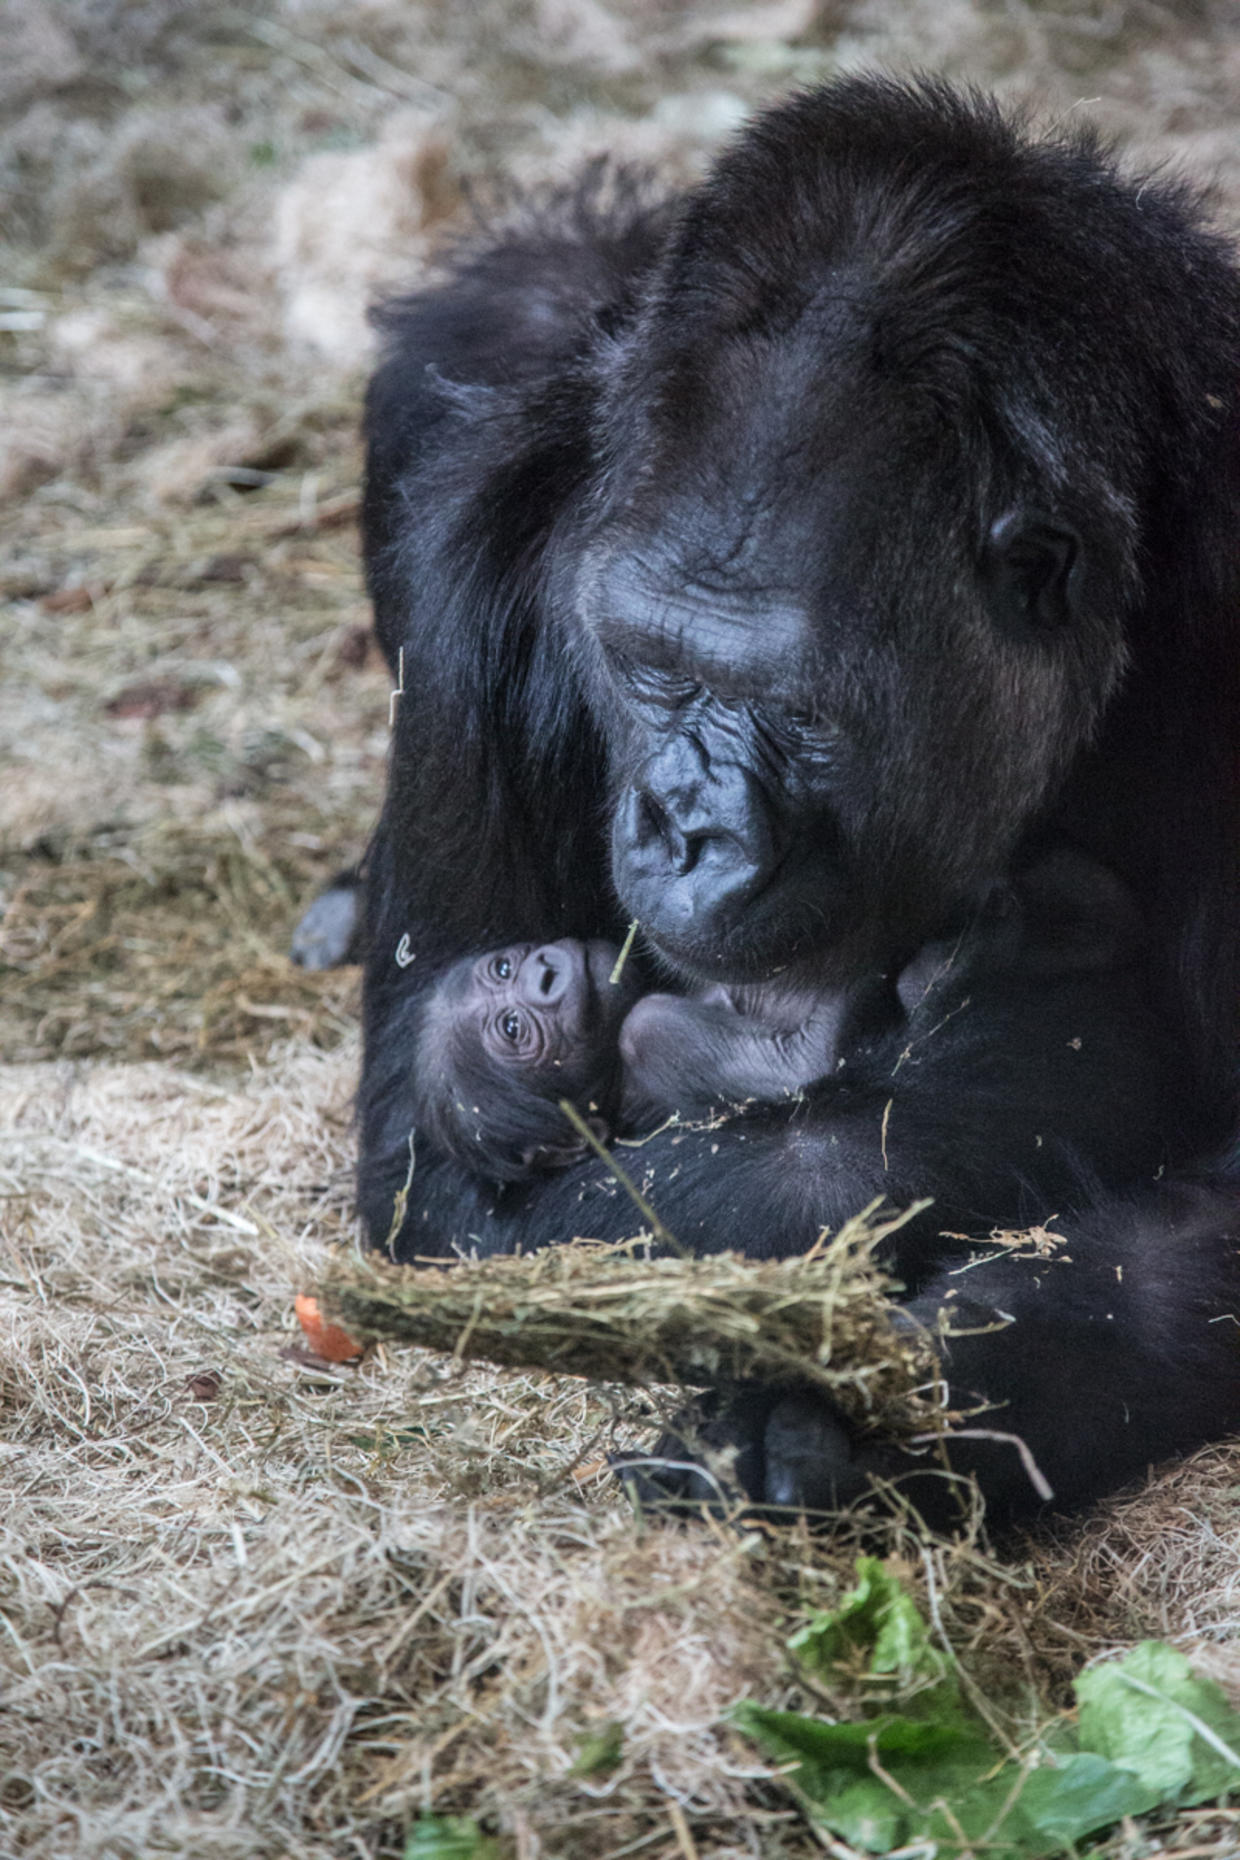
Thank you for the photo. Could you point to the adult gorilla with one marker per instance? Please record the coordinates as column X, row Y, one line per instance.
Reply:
column 838, row 569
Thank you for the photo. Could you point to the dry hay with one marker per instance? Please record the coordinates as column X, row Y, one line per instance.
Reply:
column 254, row 1607
column 173, row 944
column 610, row 1314
column 1164, row 1565
column 194, row 743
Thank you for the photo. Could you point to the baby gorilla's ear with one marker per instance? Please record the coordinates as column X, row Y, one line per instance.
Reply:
column 559, row 1155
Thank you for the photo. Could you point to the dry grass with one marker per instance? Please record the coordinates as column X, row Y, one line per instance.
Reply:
column 248, row 1606
column 172, row 945
column 183, row 774
column 613, row 1314
column 252, row 1606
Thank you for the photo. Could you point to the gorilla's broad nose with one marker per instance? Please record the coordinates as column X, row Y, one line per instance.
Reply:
column 692, row 844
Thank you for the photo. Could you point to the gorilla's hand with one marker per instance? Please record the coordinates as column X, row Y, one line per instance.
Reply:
column 782, row 1450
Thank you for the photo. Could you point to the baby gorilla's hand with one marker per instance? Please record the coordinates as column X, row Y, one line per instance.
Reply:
column 699, row 1052
column 671, row 1048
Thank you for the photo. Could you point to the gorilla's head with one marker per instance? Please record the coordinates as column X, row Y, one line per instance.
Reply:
column 856, row 580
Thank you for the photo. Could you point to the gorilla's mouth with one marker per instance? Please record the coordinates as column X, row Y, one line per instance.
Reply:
column 780, row 932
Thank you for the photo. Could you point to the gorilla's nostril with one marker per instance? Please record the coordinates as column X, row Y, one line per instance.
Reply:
column 687, row 853
column 651, row 821
column 656, row 827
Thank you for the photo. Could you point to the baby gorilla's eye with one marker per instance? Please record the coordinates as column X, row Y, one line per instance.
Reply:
column 501, row 968
column 510, row 1027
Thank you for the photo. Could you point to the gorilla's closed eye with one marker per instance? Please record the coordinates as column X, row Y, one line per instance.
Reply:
column 649, row 683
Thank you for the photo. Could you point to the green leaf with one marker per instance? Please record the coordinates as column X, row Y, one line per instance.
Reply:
column 1150, row 1732
column 600, row 1751
column 876, row 1619
column 448, row 1837
column 893, row 1781
column 839, row 1768
column 849, row 1745
column 878, row 1623
column 1082, row 1794
column 1151, row 1714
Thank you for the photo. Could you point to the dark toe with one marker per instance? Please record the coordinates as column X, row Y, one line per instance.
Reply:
column 705, row 1458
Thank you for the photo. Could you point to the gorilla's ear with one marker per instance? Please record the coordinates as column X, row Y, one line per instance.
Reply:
column 1032, row 570
column 559, row 1155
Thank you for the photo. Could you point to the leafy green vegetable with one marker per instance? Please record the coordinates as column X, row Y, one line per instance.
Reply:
column 878, row 1622
column 1150, row 1713
column 600, row 1751
column 843, row 1769
column 892, row 1781
column 1150, row 1733
column 448, row 1837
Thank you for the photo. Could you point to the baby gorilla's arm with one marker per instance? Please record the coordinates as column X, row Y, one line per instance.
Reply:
column 689, row 1053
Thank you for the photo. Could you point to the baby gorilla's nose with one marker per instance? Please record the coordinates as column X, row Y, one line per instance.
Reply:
column 547, row 974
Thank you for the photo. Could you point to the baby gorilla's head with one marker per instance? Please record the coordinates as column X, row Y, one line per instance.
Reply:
column 503, row 1038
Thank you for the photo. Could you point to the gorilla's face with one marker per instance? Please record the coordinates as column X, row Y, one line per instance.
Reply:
column 842, row 657
column 547, row 1013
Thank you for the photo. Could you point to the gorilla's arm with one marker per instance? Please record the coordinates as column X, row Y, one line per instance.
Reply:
column 1122, row 1347
column 1116, row 1351
column 1005, row 1097
column 692, row 1053
column 478, row 426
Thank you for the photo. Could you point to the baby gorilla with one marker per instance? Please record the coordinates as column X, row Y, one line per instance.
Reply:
column 505, row 1036
column 502, row 1038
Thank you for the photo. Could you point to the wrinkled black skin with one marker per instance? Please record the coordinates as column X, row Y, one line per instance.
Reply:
column 790, row 565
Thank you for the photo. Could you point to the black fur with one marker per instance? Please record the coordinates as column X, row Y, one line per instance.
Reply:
column 924, row 432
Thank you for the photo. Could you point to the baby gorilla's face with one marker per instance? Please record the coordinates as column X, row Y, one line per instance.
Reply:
column 548, row 1010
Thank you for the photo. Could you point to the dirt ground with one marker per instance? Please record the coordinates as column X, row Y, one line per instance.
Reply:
column 249, row 1606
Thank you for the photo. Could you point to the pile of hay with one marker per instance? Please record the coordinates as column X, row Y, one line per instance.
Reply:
column 193, row 740
column 600, row 1311
column 254, row 1607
